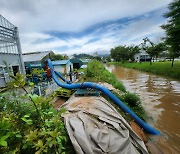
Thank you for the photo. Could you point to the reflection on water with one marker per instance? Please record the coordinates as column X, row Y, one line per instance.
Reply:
column 161, row 98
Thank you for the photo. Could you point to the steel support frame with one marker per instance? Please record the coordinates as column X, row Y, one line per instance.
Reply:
column 9, row 41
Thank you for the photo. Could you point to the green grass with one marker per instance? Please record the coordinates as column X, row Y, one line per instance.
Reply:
column 96, row 72
column 160, row 68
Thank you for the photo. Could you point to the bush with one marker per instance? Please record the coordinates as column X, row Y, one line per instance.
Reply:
column 29, row 123
column 132, row 99
column 134, row 103
column 96, row 72
column 23, row 129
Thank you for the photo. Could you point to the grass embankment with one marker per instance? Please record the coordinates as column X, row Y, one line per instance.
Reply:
column 160, row 68
column 96, row 72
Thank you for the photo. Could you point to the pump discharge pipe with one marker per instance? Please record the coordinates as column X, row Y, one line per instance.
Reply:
column 147, row 128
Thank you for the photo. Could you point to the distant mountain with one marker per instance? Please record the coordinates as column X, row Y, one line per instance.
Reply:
column 91, row 55
column 103, row 53
column 83, row 56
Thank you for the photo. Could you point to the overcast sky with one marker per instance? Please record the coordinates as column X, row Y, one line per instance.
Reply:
column 84, row 26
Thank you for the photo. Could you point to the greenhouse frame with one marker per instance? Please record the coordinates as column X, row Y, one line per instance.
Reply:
column 10, row 51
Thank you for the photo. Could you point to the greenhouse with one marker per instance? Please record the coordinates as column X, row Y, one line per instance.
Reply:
column 10, row 51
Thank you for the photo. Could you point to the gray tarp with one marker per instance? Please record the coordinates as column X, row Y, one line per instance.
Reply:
column 95, row 127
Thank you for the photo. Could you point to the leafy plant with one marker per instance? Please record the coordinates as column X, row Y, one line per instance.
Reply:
column 132, row 99
column 134, row 103
column 96, row 72
column 29, row 123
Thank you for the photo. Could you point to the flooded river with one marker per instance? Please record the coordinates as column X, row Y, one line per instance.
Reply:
column 161, row 98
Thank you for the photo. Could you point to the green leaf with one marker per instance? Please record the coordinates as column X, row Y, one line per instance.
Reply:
column 4, row 125
column 50, row 144
column 3, row 143
column 26, row 116
column 40, row 143
column 48, row 123
column 29, row 122
column 19, row 136
column 34, row 98
column 50, row 113
column 54, row 133
column 31, row 84
column 4, row 137
column 2, row 140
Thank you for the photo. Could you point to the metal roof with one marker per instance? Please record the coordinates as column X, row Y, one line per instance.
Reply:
column 60, row 62
column 76, row 60
column 35, row 56
column 85, row 60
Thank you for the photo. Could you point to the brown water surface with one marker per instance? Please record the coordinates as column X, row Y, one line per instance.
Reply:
column 161, row 98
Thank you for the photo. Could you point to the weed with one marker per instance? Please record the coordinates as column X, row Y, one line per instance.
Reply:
column 96, row 72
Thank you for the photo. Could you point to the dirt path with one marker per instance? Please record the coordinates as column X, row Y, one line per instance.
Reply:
column 59, row 102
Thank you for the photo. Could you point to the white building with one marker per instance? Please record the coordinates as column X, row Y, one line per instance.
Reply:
column 142, row 56
column 63, row 66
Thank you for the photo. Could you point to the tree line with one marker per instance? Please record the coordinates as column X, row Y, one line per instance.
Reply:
column 170, row 47
column 124, row 53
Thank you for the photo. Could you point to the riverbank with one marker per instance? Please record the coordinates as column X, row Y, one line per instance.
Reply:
column 160, row 68
column 96, row 72
column 160, row 98
column 33, row 119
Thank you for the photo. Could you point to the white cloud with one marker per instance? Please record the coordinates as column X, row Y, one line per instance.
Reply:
column 131, row 34
column 37, row 16
column 72, row 15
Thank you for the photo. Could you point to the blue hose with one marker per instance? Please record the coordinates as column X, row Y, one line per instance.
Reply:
column 59, row 75
column 118, row 102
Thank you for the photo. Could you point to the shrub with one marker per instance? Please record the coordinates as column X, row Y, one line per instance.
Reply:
column 132, row 99
column 96, row 72
column 23, row 130
column 29, row 123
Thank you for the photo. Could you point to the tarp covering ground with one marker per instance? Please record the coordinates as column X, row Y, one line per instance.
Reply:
column 95, row 127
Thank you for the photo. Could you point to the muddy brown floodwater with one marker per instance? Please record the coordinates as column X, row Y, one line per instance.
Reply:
column 161, row 99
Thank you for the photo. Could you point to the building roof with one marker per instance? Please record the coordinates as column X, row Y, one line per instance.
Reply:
column 35, row 56
column 76, row 60
column 85, row 60
column 60, row 62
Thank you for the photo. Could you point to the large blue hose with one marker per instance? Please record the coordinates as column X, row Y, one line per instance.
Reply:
column 144, row 125
column 59, row 75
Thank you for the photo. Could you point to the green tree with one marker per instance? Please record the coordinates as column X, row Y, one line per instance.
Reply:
column 132, row 50
column 119, row 53
column 172, row 29
column 159, row 48
column 58, row 57
column 155, row 49
column 148, row 49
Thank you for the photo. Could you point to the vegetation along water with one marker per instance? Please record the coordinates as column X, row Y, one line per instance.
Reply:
column 160, row 97
column 160, row 68
column 96, row 72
